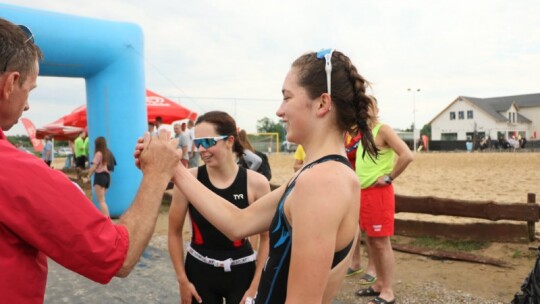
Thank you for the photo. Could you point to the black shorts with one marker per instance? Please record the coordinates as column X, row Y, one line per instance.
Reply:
column 102, row 179
column 80, row 162
column 214, row 284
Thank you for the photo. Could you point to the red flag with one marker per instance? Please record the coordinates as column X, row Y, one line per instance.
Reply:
column 31, row 130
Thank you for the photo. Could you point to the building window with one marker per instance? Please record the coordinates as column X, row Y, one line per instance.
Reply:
column 461, row 115
column 452, row 115
column 448, row 136
column 512, row 117
column 470, row 114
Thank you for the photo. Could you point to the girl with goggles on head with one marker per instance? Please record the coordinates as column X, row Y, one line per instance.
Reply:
column 216, row 267
column 313, row 219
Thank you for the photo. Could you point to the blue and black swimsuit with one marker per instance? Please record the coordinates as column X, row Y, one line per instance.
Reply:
column 273, row 284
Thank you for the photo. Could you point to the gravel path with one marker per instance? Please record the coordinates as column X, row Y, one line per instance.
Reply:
column 153, row 281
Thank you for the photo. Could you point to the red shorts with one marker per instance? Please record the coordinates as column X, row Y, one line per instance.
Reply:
column 377, row 208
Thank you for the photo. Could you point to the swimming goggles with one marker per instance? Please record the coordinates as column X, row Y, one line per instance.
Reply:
column 327, row 55
column 208, row 142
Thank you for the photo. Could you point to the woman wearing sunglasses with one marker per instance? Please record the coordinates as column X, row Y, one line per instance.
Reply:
column 216, row 267
column 313, row 219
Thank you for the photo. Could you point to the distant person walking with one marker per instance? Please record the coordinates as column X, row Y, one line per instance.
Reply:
column 194, row 157
column 185, row 138
column 102, row 177
column 182, row 142
column 69, row 155
column 47, row 152
column 81, row 152
column 378, row 202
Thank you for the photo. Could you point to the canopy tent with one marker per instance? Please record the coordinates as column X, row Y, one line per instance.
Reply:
column 58, row 131
column 168, row 110
column 156, row 106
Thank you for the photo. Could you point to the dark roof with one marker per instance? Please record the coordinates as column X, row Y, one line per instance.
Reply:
column 523, row 101
column 521, row 118
column 494, row 105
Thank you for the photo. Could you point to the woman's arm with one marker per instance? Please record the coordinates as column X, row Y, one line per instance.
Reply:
column 261, row 187
column 235, row 223
column 404, row 154
column 95, row 162
column 177, row 216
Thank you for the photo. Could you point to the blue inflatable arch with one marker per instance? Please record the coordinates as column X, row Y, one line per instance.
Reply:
column 109, row 56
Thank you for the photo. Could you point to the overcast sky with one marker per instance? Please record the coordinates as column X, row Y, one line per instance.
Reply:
column 233, row 55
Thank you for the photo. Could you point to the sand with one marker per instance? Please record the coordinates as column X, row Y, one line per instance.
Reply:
column 504, row 177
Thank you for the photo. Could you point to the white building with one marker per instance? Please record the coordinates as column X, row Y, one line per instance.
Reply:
column 496, row 117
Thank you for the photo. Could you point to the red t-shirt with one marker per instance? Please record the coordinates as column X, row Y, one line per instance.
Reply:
column 43, row 214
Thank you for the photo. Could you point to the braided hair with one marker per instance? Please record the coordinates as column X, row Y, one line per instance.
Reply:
column 348, row 93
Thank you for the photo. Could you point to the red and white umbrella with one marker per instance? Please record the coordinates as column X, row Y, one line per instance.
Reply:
column 156, row 106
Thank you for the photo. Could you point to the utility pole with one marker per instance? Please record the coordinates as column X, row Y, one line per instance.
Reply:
column 414, row 117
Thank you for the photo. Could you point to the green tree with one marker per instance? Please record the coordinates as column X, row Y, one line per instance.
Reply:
column 266, row 125
column 426, row 129
column 19, row 139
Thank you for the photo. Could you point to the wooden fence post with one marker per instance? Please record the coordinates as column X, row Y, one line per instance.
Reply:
column 531, row 199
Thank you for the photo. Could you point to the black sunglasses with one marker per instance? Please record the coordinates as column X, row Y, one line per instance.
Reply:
column 29, row 37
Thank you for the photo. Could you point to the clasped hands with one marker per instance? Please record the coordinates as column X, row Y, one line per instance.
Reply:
column 157, row 154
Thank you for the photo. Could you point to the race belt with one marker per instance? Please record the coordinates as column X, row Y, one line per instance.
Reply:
column 226, row 264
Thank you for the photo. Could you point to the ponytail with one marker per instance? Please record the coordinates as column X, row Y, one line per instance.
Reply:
column 368, row 142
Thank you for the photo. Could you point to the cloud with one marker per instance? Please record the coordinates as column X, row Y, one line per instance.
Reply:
column 240, row 51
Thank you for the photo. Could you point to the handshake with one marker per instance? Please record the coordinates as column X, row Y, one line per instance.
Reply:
column 157, row 154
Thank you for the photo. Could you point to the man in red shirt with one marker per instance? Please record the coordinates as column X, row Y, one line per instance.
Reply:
column 43, row 214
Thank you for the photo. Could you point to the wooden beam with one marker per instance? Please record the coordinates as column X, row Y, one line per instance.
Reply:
column 482, row 209
column 531, row 201
column 485, row 232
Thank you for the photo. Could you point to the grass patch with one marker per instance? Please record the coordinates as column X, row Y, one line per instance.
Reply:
column 448, row 245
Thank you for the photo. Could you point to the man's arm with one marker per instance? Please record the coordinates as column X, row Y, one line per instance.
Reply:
column 158, row 161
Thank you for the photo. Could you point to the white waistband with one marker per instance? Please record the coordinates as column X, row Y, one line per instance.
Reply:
column 226, row 264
